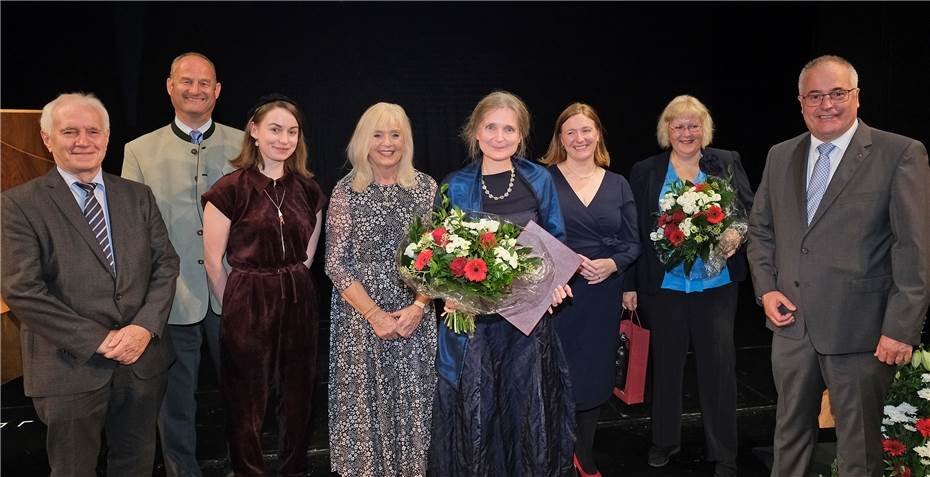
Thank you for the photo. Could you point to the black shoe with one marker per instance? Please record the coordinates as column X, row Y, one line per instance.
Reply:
column 659, row 456
column 725, row 469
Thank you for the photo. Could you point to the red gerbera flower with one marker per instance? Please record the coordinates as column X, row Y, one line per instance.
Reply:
column 423, row 258
column 902, row 471
column 923, row 426
column 893, row 447
column 714, row 214
column 700, row 187
column 487, row 240
column 458, row 266
column 678, row 216
column 676, row 236
column 441, row 236
column 476, row 270
column 664, row 219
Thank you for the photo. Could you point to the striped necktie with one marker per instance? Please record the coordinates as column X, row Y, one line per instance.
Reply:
column 819, row 179
column 196, row 137
column 93, row 213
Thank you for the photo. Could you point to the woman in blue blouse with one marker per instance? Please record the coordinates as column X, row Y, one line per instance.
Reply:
column 682, row 311
column 503, row 401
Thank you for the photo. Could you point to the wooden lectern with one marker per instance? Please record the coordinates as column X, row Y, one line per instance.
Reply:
column 22, row 158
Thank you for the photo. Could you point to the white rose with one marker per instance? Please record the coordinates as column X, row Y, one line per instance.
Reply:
column 685, row 227
column 410, row 251
column 656, row 236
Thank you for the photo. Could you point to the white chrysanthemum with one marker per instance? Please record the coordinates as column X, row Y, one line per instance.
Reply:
column 925, row 461
column 411, row 250
column 924, row 394
column 909, row 427
column 667, row 202
column 923, row 451
column 457, row 243
column 925, row 378
column 685, row 227
column 502, row 255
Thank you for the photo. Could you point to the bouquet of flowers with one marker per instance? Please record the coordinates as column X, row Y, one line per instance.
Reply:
column 473, row 259
column 698, row 221
column 906, row 426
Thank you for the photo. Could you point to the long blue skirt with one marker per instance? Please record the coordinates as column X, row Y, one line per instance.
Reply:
column 513, row 412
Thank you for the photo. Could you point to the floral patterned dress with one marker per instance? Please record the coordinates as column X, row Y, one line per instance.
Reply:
column 380, row 392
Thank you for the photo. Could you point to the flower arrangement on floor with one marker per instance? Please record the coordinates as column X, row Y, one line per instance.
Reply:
column 698, row 221
column 906, row 425
column 471, row 258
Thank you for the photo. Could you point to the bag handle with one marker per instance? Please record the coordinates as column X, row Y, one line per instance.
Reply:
column 634, row 317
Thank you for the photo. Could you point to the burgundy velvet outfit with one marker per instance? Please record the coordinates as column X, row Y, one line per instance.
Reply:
column 268, row 332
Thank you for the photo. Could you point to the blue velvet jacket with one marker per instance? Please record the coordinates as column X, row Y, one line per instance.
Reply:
column 465, row 192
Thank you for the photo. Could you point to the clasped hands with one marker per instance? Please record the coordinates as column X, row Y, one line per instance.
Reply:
column 889, row 350
column 597, row 270
column 126, row 344
column 397, row 324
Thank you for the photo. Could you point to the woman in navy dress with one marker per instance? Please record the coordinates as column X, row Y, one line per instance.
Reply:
column 503, row 402
column 600, row 225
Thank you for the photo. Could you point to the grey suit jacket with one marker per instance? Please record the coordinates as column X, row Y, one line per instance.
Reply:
column 179, row 172
column 59, row 284
column 862, row 267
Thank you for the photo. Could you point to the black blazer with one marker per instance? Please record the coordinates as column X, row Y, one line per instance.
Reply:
column 646, row 179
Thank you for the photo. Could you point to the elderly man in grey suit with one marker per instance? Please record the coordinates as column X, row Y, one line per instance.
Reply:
column 180, row 162
column 90, row 272
column 840, row 255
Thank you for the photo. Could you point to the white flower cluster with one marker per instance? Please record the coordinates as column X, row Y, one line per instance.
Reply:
column 667, row 202
column 925, row 378
column 483, row 225
column 924, row 394
column 503, row 255
column 686, row 227
column 691, row 201
column 458, row 245
column 924, row 453
column 657, row 235
column 903, row 413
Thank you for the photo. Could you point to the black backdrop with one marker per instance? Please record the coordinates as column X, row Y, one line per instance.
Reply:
column 437, row 59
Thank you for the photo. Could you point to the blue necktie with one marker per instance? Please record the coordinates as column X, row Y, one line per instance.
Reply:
column 819, row 179
column 93, row 213
column 196, row 137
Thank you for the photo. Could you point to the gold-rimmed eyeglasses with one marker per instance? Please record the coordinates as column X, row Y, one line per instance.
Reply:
column 838, row 95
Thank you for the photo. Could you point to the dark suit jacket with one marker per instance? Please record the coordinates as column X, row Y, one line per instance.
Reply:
column 862, row 267
column 57, row 281
column 647, row 178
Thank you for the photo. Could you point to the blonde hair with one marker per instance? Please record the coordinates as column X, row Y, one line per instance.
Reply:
column 250, row 157
column 557, row 153
column 45, row 120
column 380, row 116
column 491, row 102
column 685, row 106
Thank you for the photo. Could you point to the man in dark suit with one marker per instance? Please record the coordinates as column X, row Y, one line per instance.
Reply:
column 90, row 272
column 840, row 256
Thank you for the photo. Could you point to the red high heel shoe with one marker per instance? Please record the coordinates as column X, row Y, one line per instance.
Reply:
column 581, row 471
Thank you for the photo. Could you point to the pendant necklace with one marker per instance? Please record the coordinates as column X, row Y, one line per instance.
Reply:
column 277, row 205
column 513, row 175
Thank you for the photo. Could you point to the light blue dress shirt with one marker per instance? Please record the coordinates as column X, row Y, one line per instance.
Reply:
column 675, row 279
column 99, row 192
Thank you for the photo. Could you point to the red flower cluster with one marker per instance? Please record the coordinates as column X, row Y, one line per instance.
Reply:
column 923, row 426
column 714, row 214
column 476, row 270
column 699, row 187
column 423, row 258
column 894, row 447
column 902, row 471
column 674, row 235
column 487, row 240
column 441, row 236
column 458, row 266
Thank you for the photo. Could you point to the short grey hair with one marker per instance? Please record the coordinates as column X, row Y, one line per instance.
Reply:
column 177, row 59
column 45, row 121
column 853, row 75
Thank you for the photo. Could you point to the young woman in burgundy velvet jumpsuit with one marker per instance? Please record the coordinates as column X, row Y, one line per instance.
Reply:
column 265, row 218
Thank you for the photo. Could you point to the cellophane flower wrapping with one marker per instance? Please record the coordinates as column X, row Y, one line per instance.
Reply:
column 703, row 221
column 473, row 259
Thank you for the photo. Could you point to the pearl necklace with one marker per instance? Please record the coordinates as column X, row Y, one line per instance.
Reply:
column 513, row 175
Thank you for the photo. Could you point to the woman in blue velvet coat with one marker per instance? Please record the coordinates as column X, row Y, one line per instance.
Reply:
column 503, row 403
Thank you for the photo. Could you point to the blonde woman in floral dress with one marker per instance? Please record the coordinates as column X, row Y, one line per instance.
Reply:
column 382, row 370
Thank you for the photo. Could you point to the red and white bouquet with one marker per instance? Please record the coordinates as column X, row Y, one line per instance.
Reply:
column 906, row 423
column 473, row 259
column 699, row 221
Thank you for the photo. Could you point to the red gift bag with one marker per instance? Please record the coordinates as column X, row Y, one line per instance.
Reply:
column 637, row 360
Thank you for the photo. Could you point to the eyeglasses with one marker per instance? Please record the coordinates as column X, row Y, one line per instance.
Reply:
column 836, row 96
column 681, row 128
